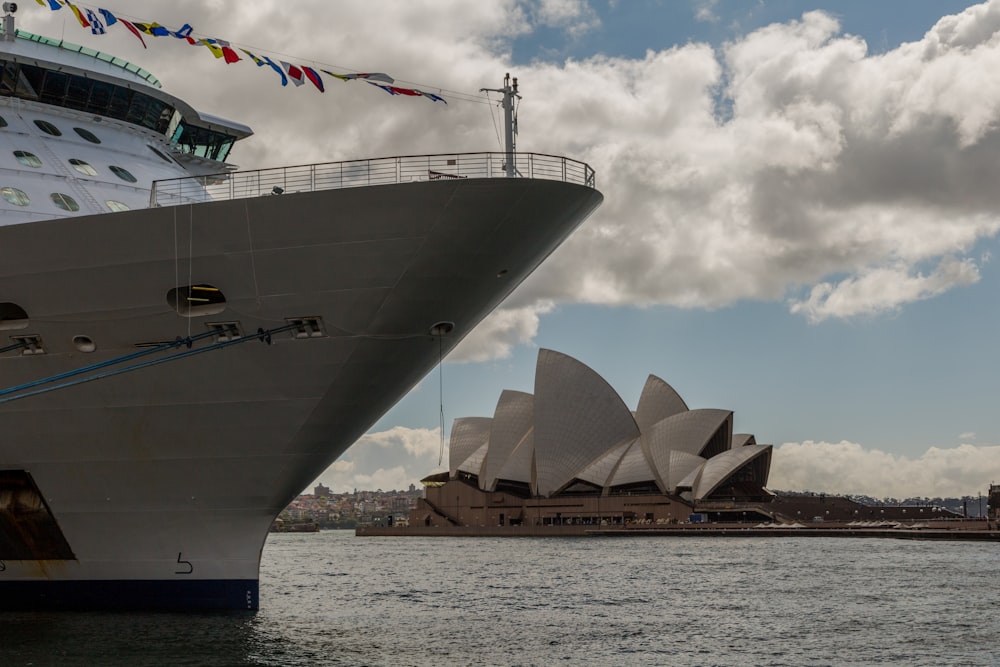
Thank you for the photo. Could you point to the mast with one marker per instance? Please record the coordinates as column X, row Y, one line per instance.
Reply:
column 9, row 32
column 509, row 92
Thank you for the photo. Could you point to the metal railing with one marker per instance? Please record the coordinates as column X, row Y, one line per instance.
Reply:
column 360, row 173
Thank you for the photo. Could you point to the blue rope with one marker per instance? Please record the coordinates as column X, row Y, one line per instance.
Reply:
column 111, row 362
column 262, row 335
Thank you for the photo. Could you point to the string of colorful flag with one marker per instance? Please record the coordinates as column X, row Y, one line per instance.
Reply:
column 99, row 20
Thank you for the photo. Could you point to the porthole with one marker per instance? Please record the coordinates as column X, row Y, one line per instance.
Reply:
column 12, row 316
column 160, row 154
column 87, row 134
column 65, row 202
column 48, row 128
column 15, row 196
column 83, row 167
column 28, row 159
column 196, row 300
column 84, row 343
column 117, row 206
column 122, row 173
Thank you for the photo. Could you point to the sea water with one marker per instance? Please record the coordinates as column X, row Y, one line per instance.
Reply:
column 330, row 598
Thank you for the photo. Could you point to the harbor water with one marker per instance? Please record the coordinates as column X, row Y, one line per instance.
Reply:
column 331, row 598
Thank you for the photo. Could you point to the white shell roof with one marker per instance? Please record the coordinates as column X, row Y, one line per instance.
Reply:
column 468, row 434
column 474, row 464
column 633, row 468
column 689, row 432
column 511, row 421
column 600, row 470
column 578, row 416
column 657, row 402
column 576, row 427
column 521, row 463
column 719, row 468
column 682, row 465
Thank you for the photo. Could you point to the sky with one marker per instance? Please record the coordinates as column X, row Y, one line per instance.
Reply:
column 800, row 215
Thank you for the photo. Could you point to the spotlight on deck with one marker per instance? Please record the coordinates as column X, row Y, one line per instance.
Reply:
column 276, row 190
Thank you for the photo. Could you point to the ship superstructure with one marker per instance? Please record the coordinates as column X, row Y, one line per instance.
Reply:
column 186, row 346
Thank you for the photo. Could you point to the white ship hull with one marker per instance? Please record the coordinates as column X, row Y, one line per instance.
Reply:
column 158, row 483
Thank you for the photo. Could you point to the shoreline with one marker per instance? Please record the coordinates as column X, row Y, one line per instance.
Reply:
column 967, row 531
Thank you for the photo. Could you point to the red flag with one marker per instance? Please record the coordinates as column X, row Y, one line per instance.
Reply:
column 230, row 55
column 313, row 76
column 135, row 31
column 294, row 73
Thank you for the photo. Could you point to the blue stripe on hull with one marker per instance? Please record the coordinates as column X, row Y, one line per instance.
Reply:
column 119, row 594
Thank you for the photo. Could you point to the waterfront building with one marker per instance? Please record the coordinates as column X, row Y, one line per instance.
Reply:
column 573, row 453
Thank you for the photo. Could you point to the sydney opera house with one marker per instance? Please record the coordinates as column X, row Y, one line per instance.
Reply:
column 573, row 453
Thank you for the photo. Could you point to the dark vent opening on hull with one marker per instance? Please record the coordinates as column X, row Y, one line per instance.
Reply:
column 28, row 531
column 225, row 331
column 12, row 316
column 29, row 344
column 306, row 327
column 195, row 300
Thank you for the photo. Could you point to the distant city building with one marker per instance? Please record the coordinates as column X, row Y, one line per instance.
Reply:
column 572, row 452
column 322, row 491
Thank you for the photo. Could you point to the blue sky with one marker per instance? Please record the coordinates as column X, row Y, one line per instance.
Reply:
column 920, row 376
column 800, row 212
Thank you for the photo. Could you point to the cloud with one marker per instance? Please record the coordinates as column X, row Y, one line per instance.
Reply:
column 386, row 460
column 576, row 17
column 883, row 289
column 704, row 10
column 499, row 332
column 849, row 468
column 789, row 164
column 417, row 442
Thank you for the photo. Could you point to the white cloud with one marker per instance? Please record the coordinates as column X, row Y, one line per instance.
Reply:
column 883, row 289
column 790, row 165
column 499, row 332
column 849, row 468
column 418, row 442
column 704, row 10
column 387, row 460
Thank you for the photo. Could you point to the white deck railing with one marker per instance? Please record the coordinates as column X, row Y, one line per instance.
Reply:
column 359, row 173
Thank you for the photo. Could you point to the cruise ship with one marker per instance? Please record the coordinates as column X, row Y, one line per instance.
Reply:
column 186, row 346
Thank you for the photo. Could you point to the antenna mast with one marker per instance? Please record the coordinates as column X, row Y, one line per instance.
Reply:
column 509, row 92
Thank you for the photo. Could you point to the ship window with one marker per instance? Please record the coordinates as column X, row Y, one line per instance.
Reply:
column 65, row 202
column 161, row 155
column 28, row 159
column 122, row 173
column 15, row 196
column 87, row 134
column 48, row 128
column 3, row 122
column 83, row 167
column 12, row 316
column 116, row 206
column 195, row 300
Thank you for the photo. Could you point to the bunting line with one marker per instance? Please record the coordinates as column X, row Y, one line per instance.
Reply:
column 98, row 20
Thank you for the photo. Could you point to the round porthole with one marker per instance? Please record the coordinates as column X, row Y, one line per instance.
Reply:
column 87, row 134
column 65, row 202
column 48, row 128
column 83, row 167
column 28, row 159
column 116, row 206
column 122, row 173
column 15, row 196
column 84, row 343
